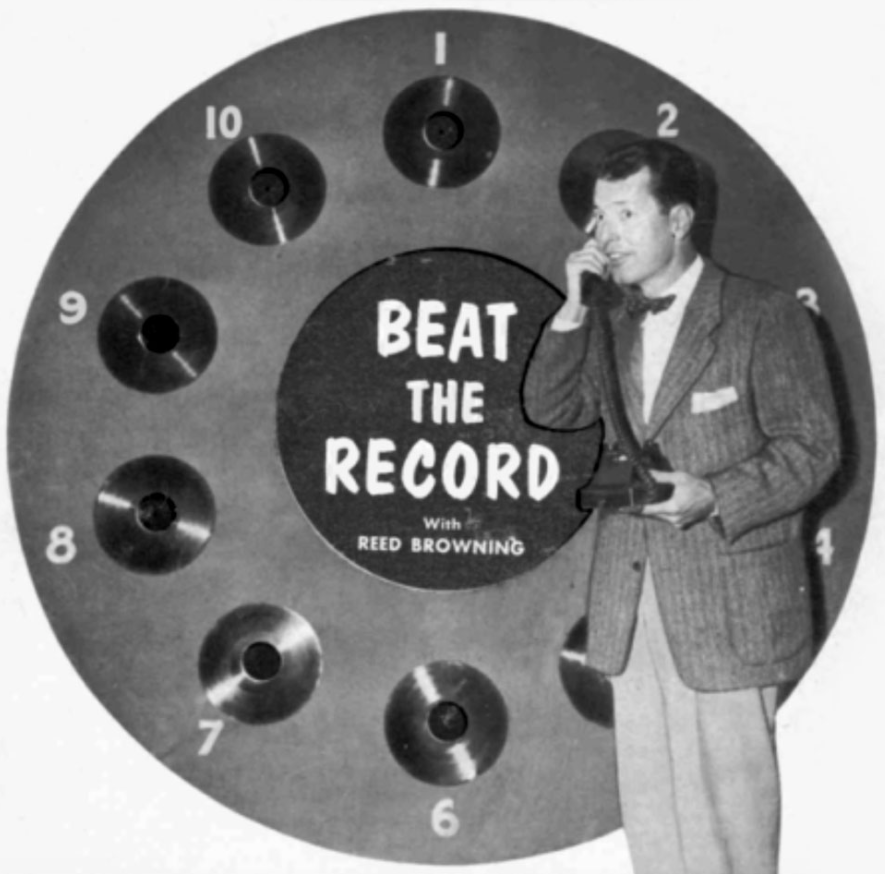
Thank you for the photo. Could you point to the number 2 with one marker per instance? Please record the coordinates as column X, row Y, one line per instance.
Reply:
column 670, row 113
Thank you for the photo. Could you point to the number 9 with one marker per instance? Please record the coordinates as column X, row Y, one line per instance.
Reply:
column 73, row 307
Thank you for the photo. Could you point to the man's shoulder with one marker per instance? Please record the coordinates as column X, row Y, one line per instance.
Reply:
column 750, row 297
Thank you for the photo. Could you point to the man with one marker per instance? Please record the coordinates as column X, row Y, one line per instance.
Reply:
column 698, row 606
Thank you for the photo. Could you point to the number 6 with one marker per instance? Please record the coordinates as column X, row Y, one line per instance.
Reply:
column 443, row 819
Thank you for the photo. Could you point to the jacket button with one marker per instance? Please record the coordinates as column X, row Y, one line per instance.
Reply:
column 637, row 566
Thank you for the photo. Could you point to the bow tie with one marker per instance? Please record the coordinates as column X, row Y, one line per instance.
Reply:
column 638, row 304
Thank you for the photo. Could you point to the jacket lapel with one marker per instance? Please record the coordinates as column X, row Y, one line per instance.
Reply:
column 693, row 347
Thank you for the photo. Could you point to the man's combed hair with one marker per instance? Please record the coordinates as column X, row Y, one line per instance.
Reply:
column 674, row 174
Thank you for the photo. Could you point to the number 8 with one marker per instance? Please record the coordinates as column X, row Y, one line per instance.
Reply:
column 61, row 548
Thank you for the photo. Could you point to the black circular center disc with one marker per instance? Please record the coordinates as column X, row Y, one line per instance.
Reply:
column 444, row 130
column 269, row 186
column 447, row 721
column 160, row 333
column 401, row 429
column 262, row 661
column 156, row 511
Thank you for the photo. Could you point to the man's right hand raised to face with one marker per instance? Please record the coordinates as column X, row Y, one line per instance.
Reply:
column 588, row 259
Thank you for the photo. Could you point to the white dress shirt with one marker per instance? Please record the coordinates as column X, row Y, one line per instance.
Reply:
column 659, row 332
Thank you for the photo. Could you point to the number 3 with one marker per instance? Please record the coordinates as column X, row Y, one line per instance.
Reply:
column 808, row 297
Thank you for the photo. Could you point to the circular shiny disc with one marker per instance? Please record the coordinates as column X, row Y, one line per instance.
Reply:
column 154, row 515
column 157, row 334
column 589, row 691
column 267, row 189
column 260, row 663
column 446, row 723
column 442, row 132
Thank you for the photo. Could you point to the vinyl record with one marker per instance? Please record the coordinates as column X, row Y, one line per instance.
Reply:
column 154, row 515
column 260, row 663
column 157, row 335
column 446, row 723
column 267, row 189
column 589, row 691
column 442, row 132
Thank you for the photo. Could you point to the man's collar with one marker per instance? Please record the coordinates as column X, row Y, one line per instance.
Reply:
column 685, row 285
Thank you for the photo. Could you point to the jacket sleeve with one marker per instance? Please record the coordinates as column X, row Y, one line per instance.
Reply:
column 558, row 390
column 795, row 410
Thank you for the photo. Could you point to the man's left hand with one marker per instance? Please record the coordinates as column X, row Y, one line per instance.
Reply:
column 692, row 500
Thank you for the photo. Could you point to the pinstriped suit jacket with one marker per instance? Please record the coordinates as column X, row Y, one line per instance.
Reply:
column 744, row 401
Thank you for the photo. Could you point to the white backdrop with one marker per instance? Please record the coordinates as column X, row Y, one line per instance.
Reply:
column 79, row 81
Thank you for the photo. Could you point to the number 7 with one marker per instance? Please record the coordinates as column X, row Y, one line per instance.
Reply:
column 214, row 727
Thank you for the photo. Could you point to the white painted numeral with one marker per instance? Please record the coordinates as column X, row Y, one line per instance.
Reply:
column 61, row 548
column 824, row 546
column 443, row 819
column 73, row 307
column 808, row 297
column 670, row 114
column 214, row 727
column 440, row 48
column 228, row 122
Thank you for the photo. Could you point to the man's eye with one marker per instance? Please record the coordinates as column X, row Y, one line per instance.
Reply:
column 626, row 214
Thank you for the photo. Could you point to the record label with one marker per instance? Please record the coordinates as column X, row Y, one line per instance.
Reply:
column 401, row 429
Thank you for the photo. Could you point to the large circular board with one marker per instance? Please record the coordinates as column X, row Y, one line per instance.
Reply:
column 431, row 637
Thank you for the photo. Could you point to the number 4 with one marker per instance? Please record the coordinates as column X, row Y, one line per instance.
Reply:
column 824, row 546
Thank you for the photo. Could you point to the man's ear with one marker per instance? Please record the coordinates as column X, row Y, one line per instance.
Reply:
column 681, row 220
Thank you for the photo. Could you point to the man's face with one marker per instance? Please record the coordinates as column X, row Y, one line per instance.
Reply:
column 635, row 234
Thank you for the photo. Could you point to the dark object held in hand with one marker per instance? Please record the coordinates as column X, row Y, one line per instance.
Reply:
column 622, row 480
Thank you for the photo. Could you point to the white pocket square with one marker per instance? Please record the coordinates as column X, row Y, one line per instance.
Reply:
column 707, row 401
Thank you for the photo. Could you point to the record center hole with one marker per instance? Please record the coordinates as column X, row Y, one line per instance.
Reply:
column 262, row 661
column 447, row 721
column 443, row 131
column 160, row 334
column 269, row 187
column 156, row 512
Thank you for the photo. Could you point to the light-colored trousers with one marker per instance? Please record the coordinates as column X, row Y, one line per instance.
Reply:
column 697, row 771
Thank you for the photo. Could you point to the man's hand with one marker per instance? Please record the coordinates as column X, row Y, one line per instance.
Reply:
column 692, row 500
column 588, row 259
